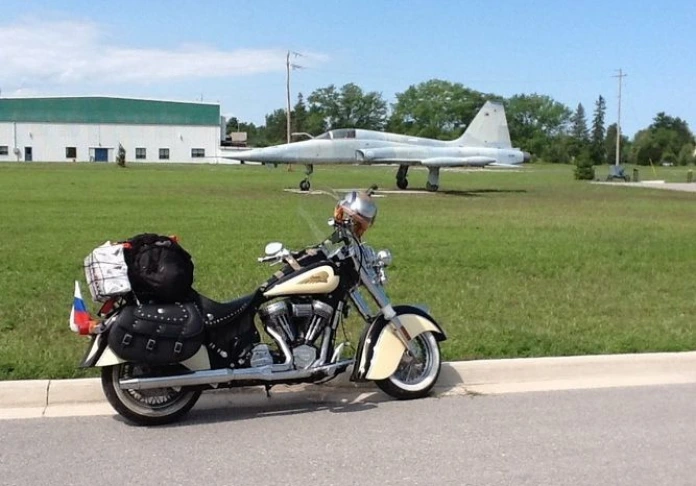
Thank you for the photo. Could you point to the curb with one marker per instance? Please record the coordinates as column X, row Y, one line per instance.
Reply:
column 38, row 398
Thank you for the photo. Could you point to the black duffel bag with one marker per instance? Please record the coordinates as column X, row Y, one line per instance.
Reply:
column 159, row 269
column 157, row 334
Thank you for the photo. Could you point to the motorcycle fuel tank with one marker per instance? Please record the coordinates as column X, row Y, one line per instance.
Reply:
column 318, row 280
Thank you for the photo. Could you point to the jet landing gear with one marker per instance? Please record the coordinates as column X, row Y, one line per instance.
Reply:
column 305, row 184
column 401, row 180
column 433, row 179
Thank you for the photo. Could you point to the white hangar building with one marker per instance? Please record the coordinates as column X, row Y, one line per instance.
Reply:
column 90, row 129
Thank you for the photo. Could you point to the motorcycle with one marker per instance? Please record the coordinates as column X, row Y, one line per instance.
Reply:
column 184, row 348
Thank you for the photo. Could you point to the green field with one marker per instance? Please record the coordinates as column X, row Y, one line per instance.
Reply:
column 529, row 263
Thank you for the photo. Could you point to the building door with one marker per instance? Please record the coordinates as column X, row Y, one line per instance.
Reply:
column 28, row 154
column 101, row 155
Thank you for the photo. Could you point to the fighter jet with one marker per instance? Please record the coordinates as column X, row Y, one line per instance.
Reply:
column 485, row 143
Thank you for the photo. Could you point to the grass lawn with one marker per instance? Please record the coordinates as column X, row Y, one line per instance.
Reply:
column 529, row 263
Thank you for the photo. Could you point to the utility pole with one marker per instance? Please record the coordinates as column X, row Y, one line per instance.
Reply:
column 287, row 79
column 289, row 67
column 621, row 75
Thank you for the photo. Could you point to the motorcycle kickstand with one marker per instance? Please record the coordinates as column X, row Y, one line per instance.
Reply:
column 267, row 388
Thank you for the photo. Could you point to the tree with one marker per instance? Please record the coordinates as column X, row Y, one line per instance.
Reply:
column 646, row 149
column 276, row 127
column 686, row 155
column 578, row 130
column 348, row 107
column 323, row 107
column 299, row 115
column 361, row 110
column 232, row 125
column 664, row 138
column 610, row 146
column 559, row 150
column 435, row 109
column 598, row 153
column 536, row 122
column 676, row 125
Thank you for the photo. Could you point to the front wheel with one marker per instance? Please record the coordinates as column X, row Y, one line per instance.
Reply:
column 416, row 375
column 145, row 407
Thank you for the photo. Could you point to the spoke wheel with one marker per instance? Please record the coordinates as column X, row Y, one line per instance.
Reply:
column 416, row 374
column 146, row 407
column 305, row 185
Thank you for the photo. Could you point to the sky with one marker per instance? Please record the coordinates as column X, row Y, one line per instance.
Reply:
column 233, row 52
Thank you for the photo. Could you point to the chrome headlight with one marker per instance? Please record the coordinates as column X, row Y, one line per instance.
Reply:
column 384, row 257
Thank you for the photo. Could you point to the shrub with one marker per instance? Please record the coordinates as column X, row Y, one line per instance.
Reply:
column 584, row 167
column 121, row 157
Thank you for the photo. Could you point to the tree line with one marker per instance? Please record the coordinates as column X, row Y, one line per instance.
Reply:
column 548, row 129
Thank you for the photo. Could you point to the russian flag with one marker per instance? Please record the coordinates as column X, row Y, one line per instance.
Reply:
column 79, row 315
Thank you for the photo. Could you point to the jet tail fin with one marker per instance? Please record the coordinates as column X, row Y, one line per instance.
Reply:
column 489, row 128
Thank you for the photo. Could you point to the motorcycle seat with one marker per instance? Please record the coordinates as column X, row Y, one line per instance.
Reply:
column 220, row 314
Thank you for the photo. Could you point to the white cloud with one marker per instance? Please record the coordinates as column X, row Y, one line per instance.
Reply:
column 50, row 53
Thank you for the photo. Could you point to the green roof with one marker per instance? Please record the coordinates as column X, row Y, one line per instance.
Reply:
column 102, row 110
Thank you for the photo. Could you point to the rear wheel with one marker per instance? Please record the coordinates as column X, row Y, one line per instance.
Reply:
column 145, row 407
column 416, row 374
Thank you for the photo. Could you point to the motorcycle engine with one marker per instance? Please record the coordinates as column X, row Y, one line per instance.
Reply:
column 299, row 323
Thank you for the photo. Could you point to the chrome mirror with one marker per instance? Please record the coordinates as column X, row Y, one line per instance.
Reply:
column 273, row 248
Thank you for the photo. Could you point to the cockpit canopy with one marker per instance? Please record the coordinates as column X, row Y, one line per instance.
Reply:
column 337, row 134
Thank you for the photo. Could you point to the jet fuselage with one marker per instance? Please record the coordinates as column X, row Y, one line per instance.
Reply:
column 374, row 151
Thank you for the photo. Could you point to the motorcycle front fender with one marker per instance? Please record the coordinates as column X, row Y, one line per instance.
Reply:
column 99, row 354
column 380, row 350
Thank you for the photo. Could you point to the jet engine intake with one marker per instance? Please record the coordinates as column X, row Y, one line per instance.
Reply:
column 364, row 155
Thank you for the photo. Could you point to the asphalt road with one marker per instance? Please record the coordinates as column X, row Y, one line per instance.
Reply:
column 621, row 436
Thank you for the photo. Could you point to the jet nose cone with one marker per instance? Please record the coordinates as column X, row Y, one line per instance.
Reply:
column 527, row 157
column 266, row 154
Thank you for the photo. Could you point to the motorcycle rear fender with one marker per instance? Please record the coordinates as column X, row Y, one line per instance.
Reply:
column 99, row 354
column 380, row 350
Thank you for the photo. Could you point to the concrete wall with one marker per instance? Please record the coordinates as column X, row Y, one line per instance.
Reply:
column 49, row 141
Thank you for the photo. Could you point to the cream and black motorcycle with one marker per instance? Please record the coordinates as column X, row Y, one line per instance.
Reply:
column 156, row 359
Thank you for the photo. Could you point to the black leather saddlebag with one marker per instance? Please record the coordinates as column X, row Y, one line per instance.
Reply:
column 157, row 334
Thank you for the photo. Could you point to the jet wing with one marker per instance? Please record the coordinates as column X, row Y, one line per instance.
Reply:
column 473, row 161
column 392, row 156
column 499, row 165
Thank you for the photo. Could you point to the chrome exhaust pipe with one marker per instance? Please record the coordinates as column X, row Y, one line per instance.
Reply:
column 226, row 375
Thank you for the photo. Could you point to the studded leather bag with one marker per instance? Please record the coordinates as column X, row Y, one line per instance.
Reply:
column 157, row 333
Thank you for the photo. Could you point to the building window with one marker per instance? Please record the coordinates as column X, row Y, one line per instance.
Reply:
column 3, row 150
column 70, row 152
column 164, row 154
column 140, row 153
column 197, row 152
